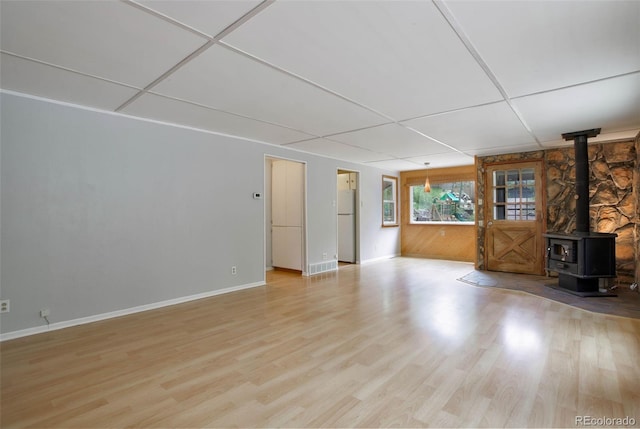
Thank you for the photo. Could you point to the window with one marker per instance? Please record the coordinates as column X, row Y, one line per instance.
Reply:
column 389, row 201
column 447, row 202
column 514, row 194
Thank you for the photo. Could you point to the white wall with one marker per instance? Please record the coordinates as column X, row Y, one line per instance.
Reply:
column 102, row 213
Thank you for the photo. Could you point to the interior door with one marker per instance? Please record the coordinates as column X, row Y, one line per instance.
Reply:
column 515, row 216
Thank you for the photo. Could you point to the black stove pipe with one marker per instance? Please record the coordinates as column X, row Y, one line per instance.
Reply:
column 582, row 177
column 582, row 184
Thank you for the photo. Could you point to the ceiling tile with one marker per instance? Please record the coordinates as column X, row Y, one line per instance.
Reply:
column 395, row 165
column 491, row 125
column 209, row 17
column 178, row 112
column 613, row 105
column 225, row 80
column 42, row 80
column 398, row 57
column 109, row 39
column 391, row 139
column 451, row 159
column 533, row 46
column 485, row 151
column 337, row 150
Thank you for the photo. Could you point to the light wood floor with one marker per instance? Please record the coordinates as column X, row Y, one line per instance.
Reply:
column 392, row 343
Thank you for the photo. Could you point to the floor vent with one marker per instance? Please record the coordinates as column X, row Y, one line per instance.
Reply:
column 322, row 267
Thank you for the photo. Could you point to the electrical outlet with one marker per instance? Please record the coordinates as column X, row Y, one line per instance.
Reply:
column 5, row 306
column 45, row 312
column 234, row 270
column 324, row 256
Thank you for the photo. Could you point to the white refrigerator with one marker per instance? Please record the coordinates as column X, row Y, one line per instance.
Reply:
column 346, row 226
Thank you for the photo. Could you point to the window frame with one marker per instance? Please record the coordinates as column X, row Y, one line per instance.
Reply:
column 394, row 184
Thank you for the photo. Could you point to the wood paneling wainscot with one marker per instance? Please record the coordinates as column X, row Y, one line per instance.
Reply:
column 438, row 241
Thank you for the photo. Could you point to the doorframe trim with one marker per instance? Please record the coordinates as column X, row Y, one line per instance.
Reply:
column 357, row 214
column 305, row 238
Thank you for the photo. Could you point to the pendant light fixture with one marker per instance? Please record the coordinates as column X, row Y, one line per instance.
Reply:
column 427, row 185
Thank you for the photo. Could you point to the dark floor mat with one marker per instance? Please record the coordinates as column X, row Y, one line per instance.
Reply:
column 619, row 302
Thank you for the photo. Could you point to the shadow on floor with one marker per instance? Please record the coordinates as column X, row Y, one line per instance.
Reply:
column 625, row 304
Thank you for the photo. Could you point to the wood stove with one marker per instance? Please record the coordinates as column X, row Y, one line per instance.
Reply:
column 581, row 259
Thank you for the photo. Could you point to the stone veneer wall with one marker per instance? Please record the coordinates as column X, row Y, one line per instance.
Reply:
column 636, row 187
column 612, row 199
column 614, row 192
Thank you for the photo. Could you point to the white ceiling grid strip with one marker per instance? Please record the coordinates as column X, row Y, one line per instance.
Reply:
column 336, row 94
column 226, row 112
column 446, row 13
column 166, row 74
column 67, row 69
column 211, row 41
column 47, row 81
column 217, row 40
column 303, row 79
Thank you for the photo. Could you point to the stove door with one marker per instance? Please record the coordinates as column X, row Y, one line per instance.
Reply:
column 514, row 218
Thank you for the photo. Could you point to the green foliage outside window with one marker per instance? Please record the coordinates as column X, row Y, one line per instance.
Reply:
column 447, row 202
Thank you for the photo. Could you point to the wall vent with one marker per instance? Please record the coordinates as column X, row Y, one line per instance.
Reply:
column 323, row 267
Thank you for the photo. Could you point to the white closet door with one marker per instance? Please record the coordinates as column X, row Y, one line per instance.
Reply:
column 353, row 180
column 294, row 186
column 343, row 182
column 286, row 245
column 278, row 193
column 287, row 210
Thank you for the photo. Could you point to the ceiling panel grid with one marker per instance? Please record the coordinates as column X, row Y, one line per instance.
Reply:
column 391, row 84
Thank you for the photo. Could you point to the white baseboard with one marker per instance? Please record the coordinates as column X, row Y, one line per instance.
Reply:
column 124, row 312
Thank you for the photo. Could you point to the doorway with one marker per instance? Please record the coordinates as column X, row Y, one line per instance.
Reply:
column 285, row 214
column 348, row 216
column 515, row 217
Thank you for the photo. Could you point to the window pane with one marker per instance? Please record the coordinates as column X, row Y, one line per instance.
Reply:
column 529, row 212
column 513, row 212
column 528, row 177
column 387, row 192
column 389, row 212
column 513, row 195
column 498, row 178
column 447, row 202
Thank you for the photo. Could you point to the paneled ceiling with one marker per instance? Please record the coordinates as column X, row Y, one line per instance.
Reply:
column 392, row 84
